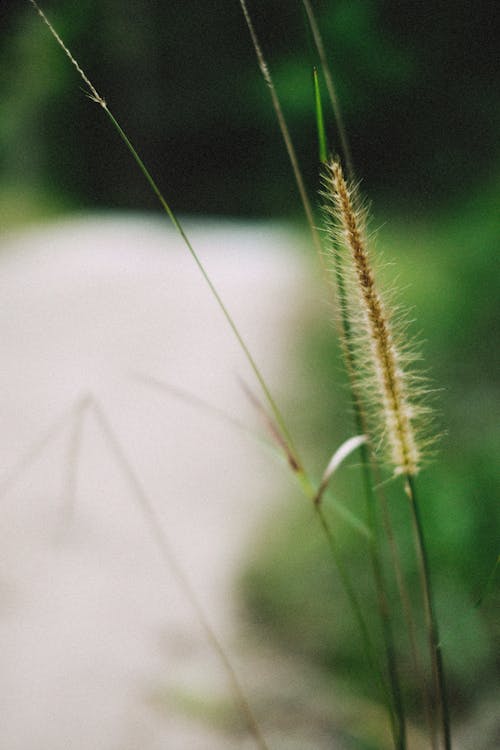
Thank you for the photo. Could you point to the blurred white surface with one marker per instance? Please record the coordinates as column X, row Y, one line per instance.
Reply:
column 91, row 622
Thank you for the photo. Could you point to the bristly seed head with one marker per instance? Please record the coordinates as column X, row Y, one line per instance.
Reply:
column 92, row 92
column 388, row 388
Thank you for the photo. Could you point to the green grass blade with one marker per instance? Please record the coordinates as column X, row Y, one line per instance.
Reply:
column 339, row 119
column 320, row 121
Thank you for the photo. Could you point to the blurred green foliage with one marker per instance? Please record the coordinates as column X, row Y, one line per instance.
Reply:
column 290, row 586
column 416, row 81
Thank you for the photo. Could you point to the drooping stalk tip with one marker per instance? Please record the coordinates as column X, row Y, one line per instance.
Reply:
column 385, row 383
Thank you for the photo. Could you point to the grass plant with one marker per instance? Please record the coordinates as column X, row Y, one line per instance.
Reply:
column 387, row 402
column 378, row 358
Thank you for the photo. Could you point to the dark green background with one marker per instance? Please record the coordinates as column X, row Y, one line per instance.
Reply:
column 416, row 82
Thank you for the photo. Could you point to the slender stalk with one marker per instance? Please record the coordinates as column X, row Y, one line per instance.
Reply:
column 285, row 132
column 368, row 645
column 409, row 620
column 383, row 603
column 430, row 613
column 229, row 319
column 98, row 99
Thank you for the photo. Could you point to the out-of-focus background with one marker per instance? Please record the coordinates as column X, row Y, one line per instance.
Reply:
column 418, row 85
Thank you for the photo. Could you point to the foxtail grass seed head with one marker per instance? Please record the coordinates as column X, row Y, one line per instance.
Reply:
column 92, row 92
column 389, row 389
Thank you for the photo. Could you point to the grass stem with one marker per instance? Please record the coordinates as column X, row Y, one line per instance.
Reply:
column 98, row 99
column 409, row 617
column 382, row 599
column 368, row 645
column 229, row 319
column 430, row 613
column 285, row 132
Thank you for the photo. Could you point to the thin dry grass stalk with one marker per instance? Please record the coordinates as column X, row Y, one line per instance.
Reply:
column 285, row 132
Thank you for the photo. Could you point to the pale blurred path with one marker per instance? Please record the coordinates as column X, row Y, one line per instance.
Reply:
column 91, row 624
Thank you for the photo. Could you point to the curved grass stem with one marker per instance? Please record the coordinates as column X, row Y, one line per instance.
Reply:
column 98, row 99
column 229, row 319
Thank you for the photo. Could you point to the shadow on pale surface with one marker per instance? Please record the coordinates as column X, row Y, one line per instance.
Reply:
column 91, row 622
